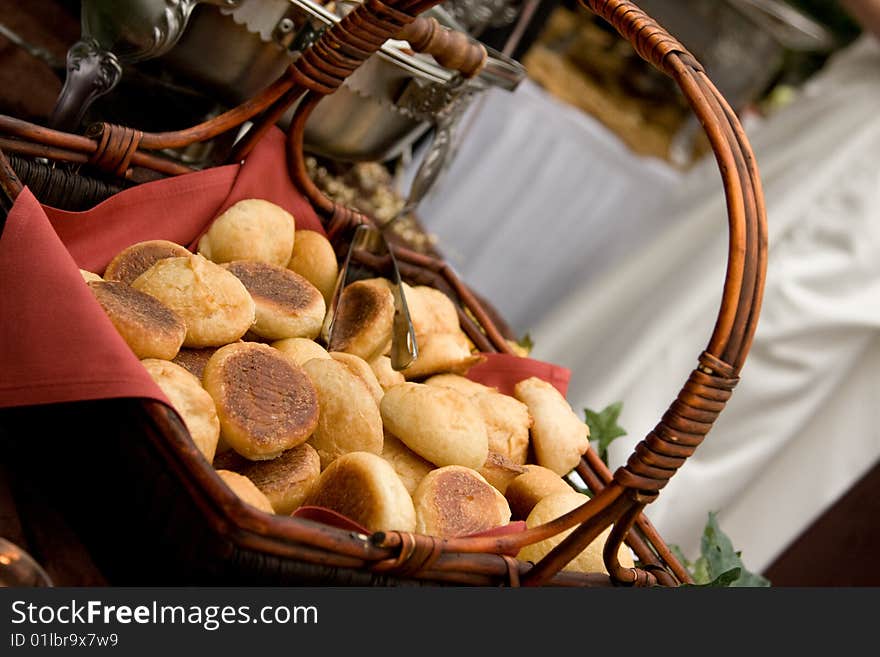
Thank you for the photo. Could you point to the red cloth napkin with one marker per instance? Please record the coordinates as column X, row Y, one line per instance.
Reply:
column 56, row 343
column 504, row 371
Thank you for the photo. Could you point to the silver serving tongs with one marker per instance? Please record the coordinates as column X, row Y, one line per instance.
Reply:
column 404, row 348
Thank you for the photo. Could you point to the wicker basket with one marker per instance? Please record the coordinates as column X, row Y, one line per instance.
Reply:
column 159, row 503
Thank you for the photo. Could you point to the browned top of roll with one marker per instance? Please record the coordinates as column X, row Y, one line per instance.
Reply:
column 194, row 361
column 138, row 258
column 461, row 503
column 285, row 289
column 275, row 474
column 124, row 303
column 360, row 306
column 265, row 394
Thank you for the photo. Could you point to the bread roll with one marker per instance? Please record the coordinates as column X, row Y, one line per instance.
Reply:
column 508, row 423
column 409, row 466
column 441, row 352
column 349, row 419
column 499, row 471
column 458, row 382
column 457, row 501
column 265, row 403
column 214, row 304
column 245, row 489
column 431, row 311
column 314, row 259
column 194, row 405
column 285, row 480
column 287, row 305
column 301, row 350
column 507, row 419
column 386, row 375
column 364, row 317
column 588, row 561
column 526, row 490
column 364, row 487
column 89, row 276
column 559, row 437
column 440, row 425
column 360, row 368
column 134, row 260
column 251, row 229
column 194, row 360
column 149, row 327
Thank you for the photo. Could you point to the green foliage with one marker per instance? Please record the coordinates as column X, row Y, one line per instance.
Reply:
column 604, row 428
column 526, row 343
column 718, row 564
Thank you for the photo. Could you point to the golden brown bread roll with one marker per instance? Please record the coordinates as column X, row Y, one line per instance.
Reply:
column 192, row 402
column 431, row 311
column 360, row 368
column 439, row 424
column 526, row 490
column 149, row 327
column 349, row 419
column 194, row 360
column 251, row 229
column 364, row 487
column 134, row 260
column 588, row 561
column 265, row 403
column 499, row 471
column 508, row 422
column 245, row 489
column 284, row 480
column 457, row 501
column 314, row 259
column 442, row 352
column 89, row 276
column 287, row 305
column 301, row 350
column 216, row 307
column 362, row 325
column 458, row 382
column 409, row 466
column 507, row 419
column 559, row 437
column 386, row 375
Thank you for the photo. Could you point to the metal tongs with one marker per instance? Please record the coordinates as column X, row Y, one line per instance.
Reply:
column 371, row 241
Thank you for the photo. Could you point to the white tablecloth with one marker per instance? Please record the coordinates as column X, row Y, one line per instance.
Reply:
column 538, row 199
column 583, row 244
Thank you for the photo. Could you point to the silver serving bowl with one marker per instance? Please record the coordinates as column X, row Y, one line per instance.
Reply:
column 380, row 110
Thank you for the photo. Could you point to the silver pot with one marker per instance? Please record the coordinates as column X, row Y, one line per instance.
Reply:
column 380, row 110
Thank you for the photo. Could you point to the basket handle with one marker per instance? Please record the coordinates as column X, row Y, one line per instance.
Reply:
column 621, row 497
column 452, row 49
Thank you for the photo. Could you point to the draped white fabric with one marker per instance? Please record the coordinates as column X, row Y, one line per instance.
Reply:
column 618, row 275
column 538, row 199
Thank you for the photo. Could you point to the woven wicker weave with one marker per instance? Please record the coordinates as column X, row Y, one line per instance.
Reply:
column 224, row 541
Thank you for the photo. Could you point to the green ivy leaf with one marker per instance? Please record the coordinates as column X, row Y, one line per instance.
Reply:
column 718, row 564
column 723, row 580
column 604, row 428
column 719, row 558
column 526, row 342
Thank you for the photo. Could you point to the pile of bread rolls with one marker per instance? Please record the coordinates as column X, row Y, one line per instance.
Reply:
column 230, row 335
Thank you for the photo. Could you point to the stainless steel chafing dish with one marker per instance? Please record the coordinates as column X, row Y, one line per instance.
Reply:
column 233, row 48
